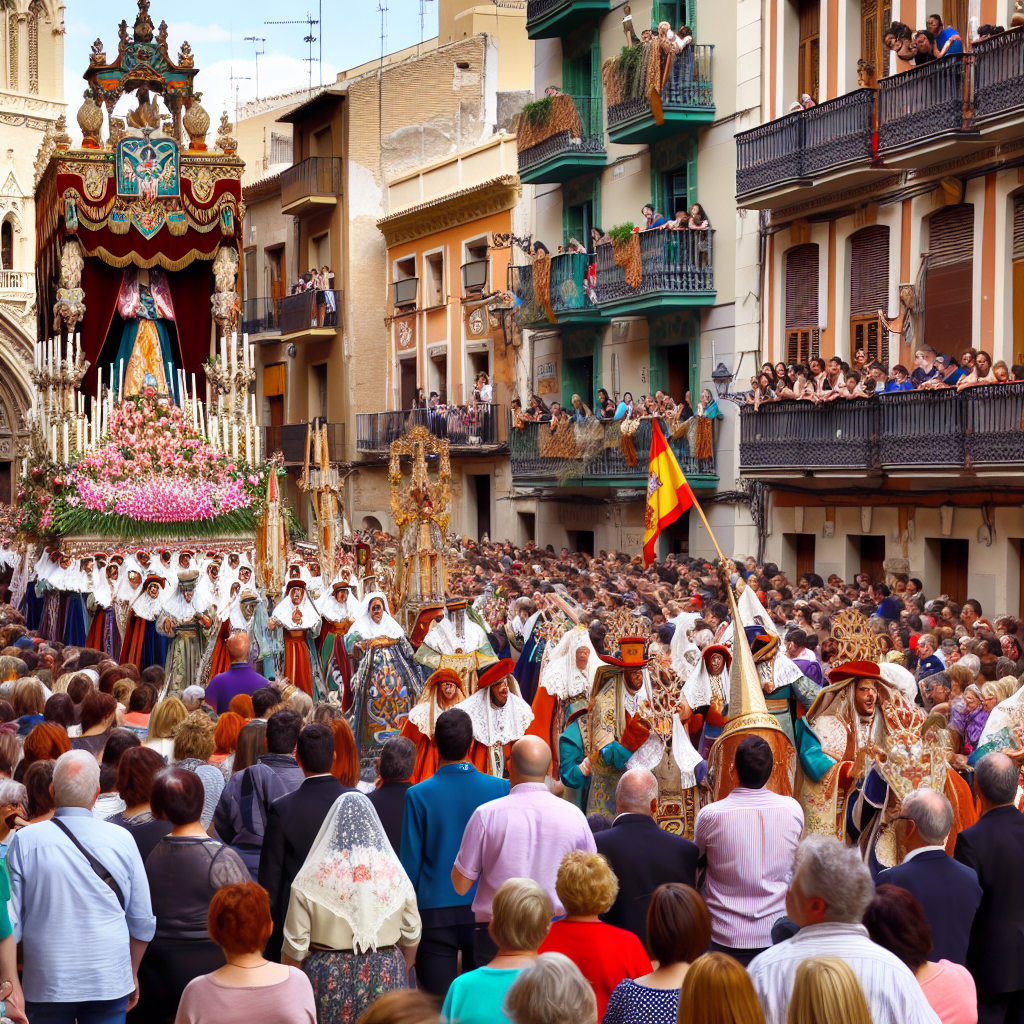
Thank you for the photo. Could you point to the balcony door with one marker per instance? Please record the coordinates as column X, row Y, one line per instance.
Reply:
column 957, row 13
column 875, row 18
column 872, row 558
column 869, row 291
column 579, row 220
column 810, row 47
column 954, row 558
column 407, row 368
column 802, row 325
column 949, row 296
column 7, row 245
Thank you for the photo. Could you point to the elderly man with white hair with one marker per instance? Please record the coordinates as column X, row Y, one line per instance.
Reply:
column 830, row 889
column 80, row 893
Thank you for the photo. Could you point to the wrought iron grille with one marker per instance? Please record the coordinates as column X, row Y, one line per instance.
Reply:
column 999, row 74
column 928, row 101
column 564, row 143
column 689, row 85
column 469, row 426
column 672, row 261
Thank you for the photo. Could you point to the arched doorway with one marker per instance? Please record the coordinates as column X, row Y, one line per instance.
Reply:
column 14, row 403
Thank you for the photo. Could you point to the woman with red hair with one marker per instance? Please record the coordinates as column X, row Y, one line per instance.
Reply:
column 46, row 742
column 346, row 758
column 248, row 987
column 241, row 704
column 229, row 725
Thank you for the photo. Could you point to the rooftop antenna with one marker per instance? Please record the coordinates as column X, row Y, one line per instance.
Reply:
column 309, row 38
column 237, row 78
column 259, row 45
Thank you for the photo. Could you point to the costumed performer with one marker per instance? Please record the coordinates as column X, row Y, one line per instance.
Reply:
column 499, row 716
column 385, row 683
column 443, row 689
column 103, row 632
column 186, row 621
column 457, row 641
column 143, row 645
column 338, row 609
column 299, row 624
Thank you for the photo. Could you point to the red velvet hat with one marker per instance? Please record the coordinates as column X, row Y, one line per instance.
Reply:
column 495, row 673
column 855, row 670
column 631, row 650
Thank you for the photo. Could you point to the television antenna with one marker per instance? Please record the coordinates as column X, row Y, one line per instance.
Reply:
column 237, row 78
column 259, row 46
column 309, row 21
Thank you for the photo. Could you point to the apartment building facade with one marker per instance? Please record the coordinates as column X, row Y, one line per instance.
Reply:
column 605, row 136
column 900, row 193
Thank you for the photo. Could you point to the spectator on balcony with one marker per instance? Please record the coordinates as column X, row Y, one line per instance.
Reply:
column 419, row 399
column 652, row 218
column 536, row 411
column 924, row 43
column 698, row 220
column 624, row 408
column 899, row 380
column 980, row 374
column 818, row 375
column 605, row 406
column 878, row 372
column 1001, row 372
column 807, row 101
column 483, row 392
column 1017, row 372
column 859, row 361
column 836, row 378
column 947, row 39
column 925, row 368
column 599, row 237
column 800, row 387
column 899, row 41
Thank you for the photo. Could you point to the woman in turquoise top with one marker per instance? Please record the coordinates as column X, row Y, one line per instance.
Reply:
column 520, row 920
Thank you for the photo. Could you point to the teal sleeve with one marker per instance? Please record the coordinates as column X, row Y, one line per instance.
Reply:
column 615, row 755
column 570, row 757
column 5, row 894
column 412, row 842
column 813, row 760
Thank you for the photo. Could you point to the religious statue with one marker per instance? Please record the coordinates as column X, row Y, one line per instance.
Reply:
column 97, row 55
column 70, row 304
column 144, row 303
column 225, row 300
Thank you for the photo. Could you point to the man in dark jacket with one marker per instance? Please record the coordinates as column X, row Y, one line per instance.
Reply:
column 241, row 814
column 394, row 767
column 293, row 823
column 948, row 891
column 994, row 848
column 642, row 855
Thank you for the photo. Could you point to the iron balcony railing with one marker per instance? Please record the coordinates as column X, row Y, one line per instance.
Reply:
column 591, row 139
column 536, row 454
column 931, row 100
column 671, row 261
column 901, row 430
column 806, row 143
column 469, row 427
column 689, row 85
column 572, row 285
column 537, row 9
column 314, row 176
column 290, row 440
column 999, row 75
column 309, row 310
column 261, row 316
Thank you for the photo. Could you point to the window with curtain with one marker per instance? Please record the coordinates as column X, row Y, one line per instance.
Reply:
column 810, row 47
column 802, row 325
column 869, row 291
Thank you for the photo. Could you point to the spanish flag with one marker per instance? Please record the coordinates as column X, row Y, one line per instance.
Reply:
column 668, row 493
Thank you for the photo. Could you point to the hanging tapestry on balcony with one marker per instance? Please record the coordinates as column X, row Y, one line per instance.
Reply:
column 542, row 285
column 639, row 72
column 561, row 116
column 628, row 256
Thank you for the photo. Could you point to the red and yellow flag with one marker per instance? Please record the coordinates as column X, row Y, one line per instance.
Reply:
column 668, row 493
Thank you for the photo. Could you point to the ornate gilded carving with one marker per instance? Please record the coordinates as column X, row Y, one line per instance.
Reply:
column 225, row 142
column 197, row 123
column 90, row 120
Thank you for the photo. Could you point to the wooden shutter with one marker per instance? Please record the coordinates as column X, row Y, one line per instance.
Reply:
column 810, row 34
column 956, row 13
column 951, row 236
column 802, row 344
column 875, row 18
column 869, row 291
column 802, row 286
column 274, row 380
column 1018, row 228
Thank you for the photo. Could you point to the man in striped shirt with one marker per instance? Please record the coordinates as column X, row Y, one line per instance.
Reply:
column 830, row 890
column 748, row 841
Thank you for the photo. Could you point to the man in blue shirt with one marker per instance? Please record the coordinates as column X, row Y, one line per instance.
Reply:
column 240, row 678
column 83, row 938
column 900, row 379
column 437, row 811
column 947, row 39
column 925, row 368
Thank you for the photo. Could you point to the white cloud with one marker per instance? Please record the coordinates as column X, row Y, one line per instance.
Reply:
column 194, row 33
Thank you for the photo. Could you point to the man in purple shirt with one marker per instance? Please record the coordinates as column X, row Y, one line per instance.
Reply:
column 522, row 835
column 240, row 678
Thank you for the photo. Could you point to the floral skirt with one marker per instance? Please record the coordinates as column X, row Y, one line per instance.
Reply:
column 345, row 984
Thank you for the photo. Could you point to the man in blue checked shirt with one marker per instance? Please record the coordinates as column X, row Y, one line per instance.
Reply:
column 83, row 936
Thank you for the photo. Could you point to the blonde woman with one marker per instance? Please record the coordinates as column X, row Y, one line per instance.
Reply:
column 162, row 723
column 826, row 991
column 717, row 990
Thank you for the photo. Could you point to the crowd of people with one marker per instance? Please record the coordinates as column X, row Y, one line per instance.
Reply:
column 822, row 380
column 527, row 808
column 322, row 282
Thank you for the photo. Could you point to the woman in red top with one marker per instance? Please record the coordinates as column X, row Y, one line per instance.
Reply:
column 605, row 955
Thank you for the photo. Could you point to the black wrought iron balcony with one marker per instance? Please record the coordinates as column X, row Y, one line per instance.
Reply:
column 796, row 150
column 312, row 312
column 260, row 316
column 686, row 99
column 596, row 454
column 570, row 289
column 560, row 137
column 925, row 104
column 311, row 184
column 999, row 76
column 903, row 431
column 290, row 440
column 473, row 429
column 550, row 19
column 676, row 269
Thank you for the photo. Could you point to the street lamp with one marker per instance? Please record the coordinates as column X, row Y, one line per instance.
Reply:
column 722, row 378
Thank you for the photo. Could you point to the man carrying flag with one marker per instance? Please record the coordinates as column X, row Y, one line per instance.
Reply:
column 668, row 493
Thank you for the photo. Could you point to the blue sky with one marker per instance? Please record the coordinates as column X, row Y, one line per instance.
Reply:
column 217, row 31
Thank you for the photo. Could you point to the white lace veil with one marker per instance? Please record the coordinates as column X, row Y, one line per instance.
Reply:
column 366, row 629
column 558, row 672
column 353, row 872
column 685, row 653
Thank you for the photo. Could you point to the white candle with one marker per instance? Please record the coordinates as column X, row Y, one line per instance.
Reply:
column 66, row 441
column 223, row 352
column 248, row 453
column 120, row 380
column 53, row 443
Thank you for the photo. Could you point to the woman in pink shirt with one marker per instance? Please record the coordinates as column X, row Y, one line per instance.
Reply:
column 897, row 922
column 605, row 955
